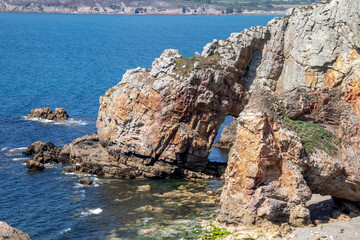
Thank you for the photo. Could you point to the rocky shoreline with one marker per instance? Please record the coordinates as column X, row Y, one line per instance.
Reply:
column 86, row 155
column 293, row 86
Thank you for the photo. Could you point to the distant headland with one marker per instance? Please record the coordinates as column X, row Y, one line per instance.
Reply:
column 147, row 7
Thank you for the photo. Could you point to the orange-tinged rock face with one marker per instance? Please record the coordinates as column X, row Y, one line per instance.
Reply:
column 353, row 90
column 171, row 113
column 332, row 78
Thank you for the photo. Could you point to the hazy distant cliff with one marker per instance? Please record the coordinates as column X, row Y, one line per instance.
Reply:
column 109, row 7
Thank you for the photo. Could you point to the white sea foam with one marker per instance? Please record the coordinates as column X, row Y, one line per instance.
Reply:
column 18, row 149
column 5, row 148
column 79, row 185
column 19, row 159
column 49, row 165
column 66, row 230
column 69, row 122
column 147, row 219
column 79, row 175
column 92, row 212
column 72, row 121
column 38, row 120
column 96, row 185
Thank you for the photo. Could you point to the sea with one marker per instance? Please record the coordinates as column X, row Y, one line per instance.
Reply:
column 59, row 60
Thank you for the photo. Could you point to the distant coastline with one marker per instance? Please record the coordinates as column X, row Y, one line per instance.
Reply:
column 125, row 8
column 157, row 14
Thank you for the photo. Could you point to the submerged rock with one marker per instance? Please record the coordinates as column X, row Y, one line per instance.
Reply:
column 59, row 114
column 10, row 233
column 34, row 165
column 85, row 181
column 144, row 188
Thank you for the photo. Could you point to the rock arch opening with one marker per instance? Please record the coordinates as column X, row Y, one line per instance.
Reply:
column 223, row 141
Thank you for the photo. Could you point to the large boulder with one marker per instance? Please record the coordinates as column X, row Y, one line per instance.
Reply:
column 43, row 152
column 34, row 165
column 85, row 181
column 9, row 233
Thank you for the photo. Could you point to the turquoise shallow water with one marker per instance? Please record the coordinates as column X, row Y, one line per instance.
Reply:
column 69, row 61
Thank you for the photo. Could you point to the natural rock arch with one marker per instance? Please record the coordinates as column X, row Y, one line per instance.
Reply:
column 172, row 112
column 295, row 84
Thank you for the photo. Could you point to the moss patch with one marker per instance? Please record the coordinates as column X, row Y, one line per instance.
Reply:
column 313, row 136
column 215, row 233
column 185, row 65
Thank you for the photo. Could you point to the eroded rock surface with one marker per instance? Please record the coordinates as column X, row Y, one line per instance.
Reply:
column 9, row 233
column 59, row 114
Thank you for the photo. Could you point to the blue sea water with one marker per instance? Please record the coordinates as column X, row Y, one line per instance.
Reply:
column 69, row 61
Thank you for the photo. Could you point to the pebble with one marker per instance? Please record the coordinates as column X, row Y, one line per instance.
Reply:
column 147, row 231
column 144, row 188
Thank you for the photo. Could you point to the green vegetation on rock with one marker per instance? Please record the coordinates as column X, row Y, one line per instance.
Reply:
column 313, row 135
column 215, row 233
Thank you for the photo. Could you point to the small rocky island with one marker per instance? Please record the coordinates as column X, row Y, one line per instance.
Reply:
column 294, row 87
column 59, row 114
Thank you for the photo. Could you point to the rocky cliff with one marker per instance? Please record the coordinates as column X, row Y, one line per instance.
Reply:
column 294, row 86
